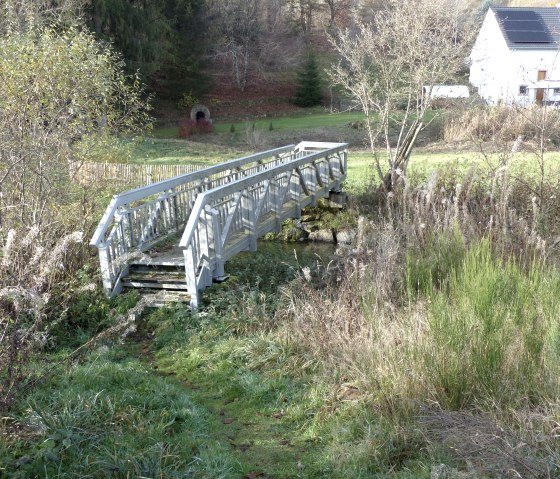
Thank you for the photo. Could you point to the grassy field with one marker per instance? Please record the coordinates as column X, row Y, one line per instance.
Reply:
column 361, row 170
column 279, row 123
column 324, row 380
column 425, row 163
column 172, row 151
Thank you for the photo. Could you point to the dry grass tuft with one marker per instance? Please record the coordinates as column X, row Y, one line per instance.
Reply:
column 31, row 273
column 446, row 296
column 503, row 124
column 485, row 447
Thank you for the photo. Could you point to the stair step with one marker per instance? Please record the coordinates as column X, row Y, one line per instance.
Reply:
column 166, row 298
column 141, row 267
column 175, row 285
column 157, row 276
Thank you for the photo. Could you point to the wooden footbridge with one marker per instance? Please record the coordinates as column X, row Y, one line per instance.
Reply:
column 206, row 217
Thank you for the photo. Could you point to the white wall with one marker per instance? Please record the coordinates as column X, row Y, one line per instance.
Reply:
column 497, row 72
column 490, row 61
column 524, row 71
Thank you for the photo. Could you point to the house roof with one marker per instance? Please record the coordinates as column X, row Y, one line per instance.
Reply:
column 529, row 28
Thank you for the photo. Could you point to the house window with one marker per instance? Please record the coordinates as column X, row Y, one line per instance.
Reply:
column 556, row 91
column 523, row 89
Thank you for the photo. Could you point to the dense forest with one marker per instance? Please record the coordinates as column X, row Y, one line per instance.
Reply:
column 183, row 49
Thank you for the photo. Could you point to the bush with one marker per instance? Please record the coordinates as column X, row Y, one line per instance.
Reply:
column 64, row 93
column 440, row 299
column 494, row 334
column 190, row 127
column 33, row 275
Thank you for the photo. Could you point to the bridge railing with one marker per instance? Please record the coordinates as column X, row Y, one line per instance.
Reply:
column 229, row 218
column 137, row 219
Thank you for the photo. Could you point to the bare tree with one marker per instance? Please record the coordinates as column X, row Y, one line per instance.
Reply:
column 335, row 8
column 390, row 66
column 302, row 12
column 20, row 15
column 238, row 29
column 275, row 15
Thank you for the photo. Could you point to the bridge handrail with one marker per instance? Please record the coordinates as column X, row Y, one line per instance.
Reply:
column 219, row 192
column 229, row 218
column 164, row 185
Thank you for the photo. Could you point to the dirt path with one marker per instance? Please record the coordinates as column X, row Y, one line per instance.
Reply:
column 259, row 427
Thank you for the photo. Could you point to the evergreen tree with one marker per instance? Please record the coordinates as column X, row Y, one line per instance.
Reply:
column 309, row 91
column 159, row 38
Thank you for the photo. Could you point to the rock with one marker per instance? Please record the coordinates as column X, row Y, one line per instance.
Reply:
column 312, row 226
column 322, row 235
column 337, row 200
column 295, row 234
column 308, row 218
column 345, row 237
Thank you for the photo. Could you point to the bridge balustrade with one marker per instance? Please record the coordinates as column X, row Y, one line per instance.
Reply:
column 228, row 219
column 220, row 210
column 137, row 219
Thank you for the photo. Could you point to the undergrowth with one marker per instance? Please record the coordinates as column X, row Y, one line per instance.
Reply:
column 428, row 348
column 110, row 417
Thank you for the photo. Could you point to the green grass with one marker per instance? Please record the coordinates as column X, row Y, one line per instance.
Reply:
column 495, row 334
column 172, row 152
column 295, row 122
column 278, row 123
column 110, row 416
column 210, row 395
column 228, row 393
column 524, row 165
column 264, row 393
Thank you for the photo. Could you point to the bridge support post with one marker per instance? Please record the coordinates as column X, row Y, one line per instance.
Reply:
column 104, row 264
column 205, row 250
column 248, row 212
column 190, row 276
column 219, row 271
column 275, row 192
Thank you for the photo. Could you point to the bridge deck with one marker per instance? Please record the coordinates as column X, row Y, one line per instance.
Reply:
column 219, row 211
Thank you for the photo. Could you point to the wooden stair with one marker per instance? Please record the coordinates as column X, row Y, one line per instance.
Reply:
column 167, row 277
column 163, row 298
column 161, row 277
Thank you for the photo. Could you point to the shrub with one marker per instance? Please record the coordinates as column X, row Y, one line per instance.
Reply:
column 494, row 334
column 64, row 92
column 190, row 127
column 32, row 275
column 440, row 298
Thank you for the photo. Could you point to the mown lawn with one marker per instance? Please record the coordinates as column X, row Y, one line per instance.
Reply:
column 278, row 123
column 523, row 165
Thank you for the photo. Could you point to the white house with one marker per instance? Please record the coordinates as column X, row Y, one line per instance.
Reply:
column 516, row 56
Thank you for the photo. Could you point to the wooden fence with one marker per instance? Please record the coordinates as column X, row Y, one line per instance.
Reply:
column 128, row 175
